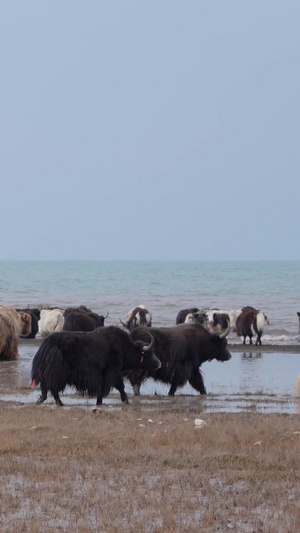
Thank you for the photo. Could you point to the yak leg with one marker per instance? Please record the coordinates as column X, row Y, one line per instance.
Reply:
column 119, row 385
column 136, row 389
column 179, row 378
column 196, row 380
column 135, row 379
column 43, row 396
column 99, row 399
column 57, row 399
column 258, row 339
column 172, row 390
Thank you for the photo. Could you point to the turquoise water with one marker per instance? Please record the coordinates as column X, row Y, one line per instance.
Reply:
column 164, row 287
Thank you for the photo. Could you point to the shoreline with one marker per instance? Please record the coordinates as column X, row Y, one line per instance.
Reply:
column 265, row 348
column 233, row 348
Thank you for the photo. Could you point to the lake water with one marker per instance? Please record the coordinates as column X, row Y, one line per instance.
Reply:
column 164, row 287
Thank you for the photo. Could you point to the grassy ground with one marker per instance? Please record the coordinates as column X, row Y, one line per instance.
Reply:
column 74, row 469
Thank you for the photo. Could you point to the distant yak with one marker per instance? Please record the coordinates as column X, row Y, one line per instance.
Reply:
column 136, row 317
column 251, row 322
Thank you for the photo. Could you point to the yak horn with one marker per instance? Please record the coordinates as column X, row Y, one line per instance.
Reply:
column 125, row 325
column 148, row 347
column 226, row 332
column 106, row 315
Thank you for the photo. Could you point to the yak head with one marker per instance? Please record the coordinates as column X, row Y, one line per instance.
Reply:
column 148, row 359
column 219, row 343
column 139, row 316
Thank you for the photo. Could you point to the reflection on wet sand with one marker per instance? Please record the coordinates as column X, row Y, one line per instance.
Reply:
column 298, row 393
column 252, row 355
column 298, row 386
column 13, row 376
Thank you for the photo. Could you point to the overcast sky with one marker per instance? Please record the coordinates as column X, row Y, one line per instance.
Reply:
column 150, row 130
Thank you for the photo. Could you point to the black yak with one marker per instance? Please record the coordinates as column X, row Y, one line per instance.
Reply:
column 91, row 362
column 181, row 349
column 82, row 319
column 193, row 315
column 181, row 316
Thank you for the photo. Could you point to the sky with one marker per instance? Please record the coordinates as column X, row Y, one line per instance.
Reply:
column 162, row 130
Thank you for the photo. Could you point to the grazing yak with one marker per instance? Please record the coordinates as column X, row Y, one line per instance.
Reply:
column 26, row 323
column 181, row 316
column 92, row 362
column 82, row 319
column 193, row 315
column 12, row 325
column 136, row 317
column 218, row 320
column 181, row 349
column 251, row 322
column 35, row 317
column 52, row 320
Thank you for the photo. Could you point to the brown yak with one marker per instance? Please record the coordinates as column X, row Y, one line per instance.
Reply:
column 12, row 325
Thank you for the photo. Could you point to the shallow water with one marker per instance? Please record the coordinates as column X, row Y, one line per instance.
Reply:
column 260, row 382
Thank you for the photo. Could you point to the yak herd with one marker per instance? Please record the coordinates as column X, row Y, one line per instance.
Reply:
column 78, row 350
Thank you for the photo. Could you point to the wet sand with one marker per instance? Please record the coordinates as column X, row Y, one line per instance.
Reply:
column 265, row 348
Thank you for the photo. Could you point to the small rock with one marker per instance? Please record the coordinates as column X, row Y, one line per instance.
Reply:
column 200, row 423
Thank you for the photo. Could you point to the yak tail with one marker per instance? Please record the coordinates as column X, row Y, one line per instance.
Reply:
column 47, row 358
column 260, row 321
column 6, row 353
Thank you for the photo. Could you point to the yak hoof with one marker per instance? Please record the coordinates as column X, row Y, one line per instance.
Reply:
column 59, row 403
column 40, row 400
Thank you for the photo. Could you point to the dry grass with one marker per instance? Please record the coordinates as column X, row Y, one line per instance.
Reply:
column 125, row 470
